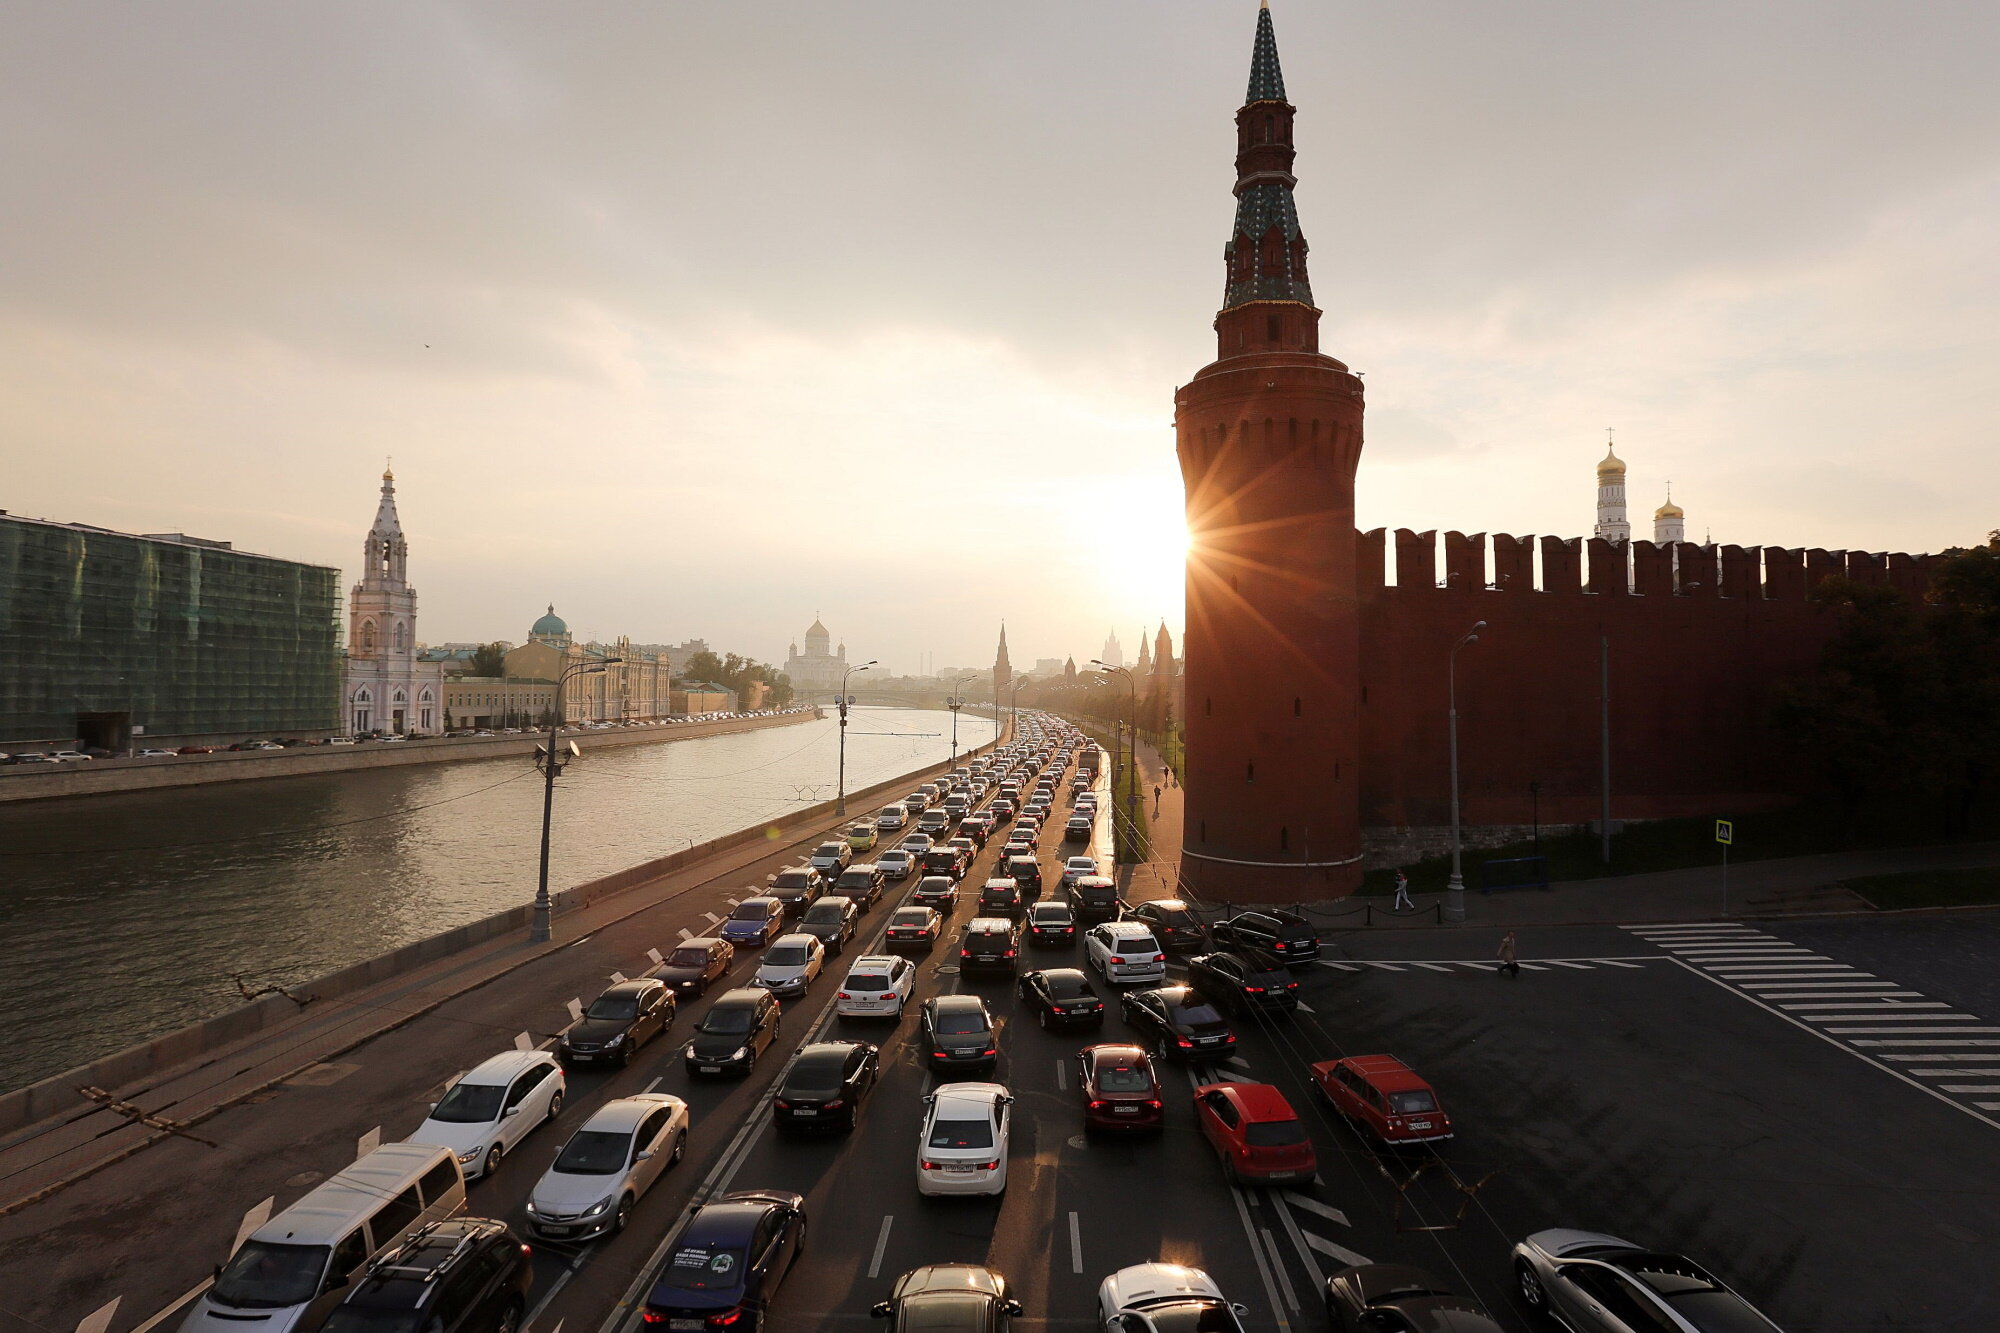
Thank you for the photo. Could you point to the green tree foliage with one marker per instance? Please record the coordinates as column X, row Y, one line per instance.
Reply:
column 738, row 672
column 489, row 659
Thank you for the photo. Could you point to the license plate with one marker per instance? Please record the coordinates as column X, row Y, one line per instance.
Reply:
column 798, row 1113
column 684, row 1323
column 1124, row 1110
column 557, row 1231
column 711, row 1069
column 962, row 1170
column 1420, row 1124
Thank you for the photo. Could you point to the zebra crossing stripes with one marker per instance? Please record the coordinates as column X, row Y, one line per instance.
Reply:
column 1926, row 1043
column 1448, row 965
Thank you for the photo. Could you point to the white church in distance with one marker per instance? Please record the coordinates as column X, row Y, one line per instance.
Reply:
column 383, row 686
column 1669, row 520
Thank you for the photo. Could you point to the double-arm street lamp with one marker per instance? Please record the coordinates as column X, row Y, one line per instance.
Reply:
column 1131, row 774
column 954, row 702
column 840, row 797
column 1454, row 898
column 552, row 765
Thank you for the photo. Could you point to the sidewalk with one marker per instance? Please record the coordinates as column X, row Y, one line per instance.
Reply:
column 1159, row 875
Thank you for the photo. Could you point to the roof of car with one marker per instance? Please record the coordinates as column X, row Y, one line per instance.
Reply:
column 1386, row 1072
column 623, row 988
column 870, row 964
column 625, row 1113
column 1000, row 882
column 503, row 1068
column 1261, row 1102
column 402, row 1279
column 958, row 1004
column 1127, row 928
column 982, row 1095
column 741, row 995
column 1096, row 881
column 823, row 1053
column 988, row 925
column 955, row 1279
column 1116, row 1052
column 798, row 938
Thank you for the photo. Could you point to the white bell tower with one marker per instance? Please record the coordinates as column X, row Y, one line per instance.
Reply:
column 1611, row 523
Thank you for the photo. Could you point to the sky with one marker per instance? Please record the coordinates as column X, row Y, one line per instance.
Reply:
column 700, row 320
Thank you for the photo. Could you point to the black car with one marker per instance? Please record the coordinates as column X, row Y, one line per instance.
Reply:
column 976, row 827
column 946, row 860
column 949, row 1298
column 728, row 1261
column 990, row 944
column 1178, row 1022
column 1052, row 924
column 797, row 887
column 1244, row 981
column 1395, row 1296
column 1027, row 872
column 694, row 964
column 1062, row 997
column 861, row 882
column 824, row 1086
column 1094, row 898
column 939, row 891
column 913, row 927
column 618, row 1022
column 466, row 1273
column 958, row 1033
column 1000, row 897
column 832, row 920
column 1174, row 924
column 1286, row 936
column 733, row 1033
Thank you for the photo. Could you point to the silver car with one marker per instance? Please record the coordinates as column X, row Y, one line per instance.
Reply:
column 607, row 1165
column 1594, row 1283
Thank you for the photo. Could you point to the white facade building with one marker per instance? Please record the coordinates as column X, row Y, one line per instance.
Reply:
column 817, row 670
column 384, row 687
column 1669, row 521
column 1611, row 522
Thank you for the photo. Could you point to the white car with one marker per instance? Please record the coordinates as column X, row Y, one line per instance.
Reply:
column 1148, row 1297
column 916, row 844
column 154, row 754
column 962, row 1148
column 606, row 1166
column 489, row 1109
column 892, row 817
column 69, row 756
column 790, row 965
column 1076, row 868
column 877, row 986
column 896, row 863
column 1125, row 953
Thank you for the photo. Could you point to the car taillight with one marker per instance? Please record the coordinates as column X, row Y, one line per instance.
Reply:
column 1159, row 958
column 990, row 1051
column 1096, row 1105
column 725, row 1318
column 781, row 1104
column 1117, row 957
column 1253, row 990
column 989, row 1166
column 1182, row 1041
column 1291, row 985
column 941, row 1053
column 1154, row 1103
column 1008, row 954
column 652, row 1317
column 525, row 1250
column 833, row 1105
column 965, row 953
column 842, row 995
column 929, row 1166
column 1069, row 930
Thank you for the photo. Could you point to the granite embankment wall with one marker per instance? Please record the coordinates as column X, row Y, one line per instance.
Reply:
column 49, row 781
column 58, row 1094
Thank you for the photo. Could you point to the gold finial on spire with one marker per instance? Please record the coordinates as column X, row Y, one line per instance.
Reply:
column 388, row 467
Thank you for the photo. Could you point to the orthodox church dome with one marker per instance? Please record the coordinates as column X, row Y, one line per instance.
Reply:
column 550, row 624
column 1612, row 466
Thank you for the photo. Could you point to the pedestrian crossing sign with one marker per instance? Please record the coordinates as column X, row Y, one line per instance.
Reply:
column 1725, row 832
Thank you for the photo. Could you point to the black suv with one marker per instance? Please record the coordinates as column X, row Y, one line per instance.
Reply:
column 1000, row 897
column 1286, row 936
column 990, row 944
column 468, row 1274
column 1244, row 981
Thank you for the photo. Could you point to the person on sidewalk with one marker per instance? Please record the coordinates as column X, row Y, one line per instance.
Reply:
column 1156, row 800
column 1508, row 964
column 1402, row 903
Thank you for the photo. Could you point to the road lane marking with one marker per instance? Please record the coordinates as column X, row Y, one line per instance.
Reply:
column 1972, row 1087
column 1300, row 1241
column 654, row 1084
column 1434, row 967
column 1386, row 967
column 686, row 934
column 100, row 1319
column 1278, row 1264
column 1564, row 962
column 368, row 1143
column 1305, row 1008
column 1935, row 1041
column 882, row 1245
column 168, row 1310
column 1613, row 962
column 1075, row 1245
column 1916, row 1031
column 1874, row 1006
column 1312, row 1205
column 710, row 917
column 1334, row 1251
column 653, row 955
column 575, row 1007
column 1062, row 1075
column 523, row 1042
column 1345, row 967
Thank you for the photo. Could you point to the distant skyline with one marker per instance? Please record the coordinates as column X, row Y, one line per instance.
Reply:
column 698, row 321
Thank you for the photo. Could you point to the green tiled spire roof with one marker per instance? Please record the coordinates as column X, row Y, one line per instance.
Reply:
column 1267, row 80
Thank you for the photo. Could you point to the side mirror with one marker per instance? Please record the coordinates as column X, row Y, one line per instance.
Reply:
column 434, row 1106
column 1015, row 1309
column 1239, row 1307
column 880, row 1309
column 510, row 1112
column 645, row 1155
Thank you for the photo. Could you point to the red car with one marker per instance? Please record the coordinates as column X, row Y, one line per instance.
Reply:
column 1386, row 1095
column 1255, row 1132
column 1119, row 1088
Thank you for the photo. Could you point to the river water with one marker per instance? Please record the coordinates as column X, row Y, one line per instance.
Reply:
column 124, row 916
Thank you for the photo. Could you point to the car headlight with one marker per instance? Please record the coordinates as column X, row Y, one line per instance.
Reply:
column 602, row 1204
column 742, row 1053
column 532, row 1210
column 465, row 1157
column 617, row 1038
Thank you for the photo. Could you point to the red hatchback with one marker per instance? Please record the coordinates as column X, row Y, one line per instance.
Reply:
column 1119, row 1088
column 1256, row 1133
column 1386, row 1095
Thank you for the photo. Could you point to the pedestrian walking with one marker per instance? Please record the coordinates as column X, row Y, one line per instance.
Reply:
column 1506, row 955
column 1403, row 903
column 1170, row 776
column 1156, row 800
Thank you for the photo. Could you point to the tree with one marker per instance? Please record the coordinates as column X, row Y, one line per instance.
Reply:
column 489, row 659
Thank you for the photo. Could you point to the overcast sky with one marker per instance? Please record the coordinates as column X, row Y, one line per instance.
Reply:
column 698, row 319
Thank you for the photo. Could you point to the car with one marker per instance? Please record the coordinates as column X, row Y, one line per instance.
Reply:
column 727, row 1262
column 1179, row 1023
column 969, row 846
column 862, row 882
column 958, row 805
column 1593, row 1283
column 1255, row 1132
column 1244, row 981
column 1000, row 897
column 490, row 1108
column 958, row 1033
column 79, row 757
column 1078, row 828
column 1173, row 923
column 468, row 1273
column 990, row 944
column 797, row 887
column 1125, row 953
column 1119, row 1088
column 607, row 1166
column 1385, row 1096
column 1027, row 830
column 913, row 926
column 944, row 859
column 1051, row 924
column 791, row 964
column 917, row 844
column 619, row 1021
column 963, row 1148
column 1095, row 898
column 915, row 804
column 936, row 823
column 1076, row 867
column 830, row 858
column 939, row 891
column 1003, row 809
column 153, row 754
column 1286, row 936
column 978, row 827
column 877, row 986
column 861, row 837
column 737, row 1029
column 1024, row 870
column 695, row 963
column 824, row 1085
column 1061, row 997
column 1165, row 1298
column 1389, row 1297
column 832, row 921
column 891, row 818
column 754, row 922
column 949, row 1298
column 896, row 863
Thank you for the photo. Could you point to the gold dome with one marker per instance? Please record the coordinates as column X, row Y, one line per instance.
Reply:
column 1612, row 466
column 1669, row 510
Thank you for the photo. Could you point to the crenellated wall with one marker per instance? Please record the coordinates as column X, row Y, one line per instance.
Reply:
column 1698, row 635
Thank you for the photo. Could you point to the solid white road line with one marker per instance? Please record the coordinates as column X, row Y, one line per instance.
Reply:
column 1613, row 962
column 1815, row 985
column 881, row 1245
column 654, row 1084
column 173, row 1309
column 1972, row 1087
column 1344, row 967
column 1564, row 962
column 1075, row 1245
column 1257, row 1253
column 1278, row 1266
column 1300, row 1242
column 1435, row 967
column 1312, row 1205
column 1931, row 1041
column 1333, row 1251
column 1909, row 1031
column 710, row 917
column 1386, row 967
column 1062, row 1074
column 1875, row 1006
column 1943, row 1055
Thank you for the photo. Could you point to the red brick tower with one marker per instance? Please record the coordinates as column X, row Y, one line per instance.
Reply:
column 1268, row 438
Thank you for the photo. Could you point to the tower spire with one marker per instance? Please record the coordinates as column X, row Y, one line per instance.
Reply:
column 1265, row 260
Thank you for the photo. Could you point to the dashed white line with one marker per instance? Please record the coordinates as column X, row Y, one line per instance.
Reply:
column 1278, row 1263
column 881, row 1245
column 1312, row 1205
column 1344, row 967
column 1062, row 1075
column 654, row 1084
column 1434, row 967
column 1075, row 1245
column 710, row 917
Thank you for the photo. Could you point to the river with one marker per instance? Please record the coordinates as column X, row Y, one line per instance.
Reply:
column 125, row 916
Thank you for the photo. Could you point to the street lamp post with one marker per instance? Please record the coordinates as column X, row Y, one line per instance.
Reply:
column 1454, row 900
column 840, row 796
column 1014, row 694
column 538, row 930
column 954, row 702
column 1132, row 765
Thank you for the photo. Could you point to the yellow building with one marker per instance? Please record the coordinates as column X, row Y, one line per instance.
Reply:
column 497, row 701
column 693, row 698
column 635, row 685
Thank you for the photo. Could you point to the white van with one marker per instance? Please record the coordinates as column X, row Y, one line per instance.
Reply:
column 292, row 1270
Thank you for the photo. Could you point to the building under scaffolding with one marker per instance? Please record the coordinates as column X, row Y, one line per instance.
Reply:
column 106, row 637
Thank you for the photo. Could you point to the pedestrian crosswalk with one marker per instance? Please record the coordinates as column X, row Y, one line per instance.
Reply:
column 1631, row 962
column 1953, row 1056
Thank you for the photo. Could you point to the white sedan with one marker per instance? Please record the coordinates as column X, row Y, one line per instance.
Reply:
column 1149, row 1297
column 1076, row 868
column 791, row 964
column 962, row 1147
column 489, row 1109
column 877, row 986
column 606, row 1166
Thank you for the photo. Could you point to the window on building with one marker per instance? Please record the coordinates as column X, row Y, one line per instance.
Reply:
column 399, row 636
column 368, row 636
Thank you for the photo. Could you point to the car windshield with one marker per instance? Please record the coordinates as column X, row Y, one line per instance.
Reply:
column 265, row 1275
column 703, row 1268
column 815, row 1077
column 470, row 1104
column 594, row 1152
column 1138, row 944
column 613, row 1007
column 960, row 1024
column 787, row 955
column 688, row 958
column 962, row 1133
column 1171, row 916
column 1097, row 893
column 823, row 914
column 1714, row 1311
column 906, row 916
column 1193, row 1317
column 1273, row 1133
column 831, row 849
column 1412, row 1103
column 750, row 911
column 794, row 881
column 1122, row 1078
column 726, row 1020
column 1051, row 914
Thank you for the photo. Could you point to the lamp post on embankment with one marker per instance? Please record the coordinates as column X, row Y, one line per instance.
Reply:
column 552, row 766
column 1132, row 766
column 1454, row 898
column 840, row 794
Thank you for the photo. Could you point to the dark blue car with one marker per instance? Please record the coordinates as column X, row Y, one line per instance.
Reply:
column 727, row 1261
column 755, row 921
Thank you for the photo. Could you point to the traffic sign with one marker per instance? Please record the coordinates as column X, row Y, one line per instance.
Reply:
column 1725, row 831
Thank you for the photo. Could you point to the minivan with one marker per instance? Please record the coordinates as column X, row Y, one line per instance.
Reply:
column 291, row 1271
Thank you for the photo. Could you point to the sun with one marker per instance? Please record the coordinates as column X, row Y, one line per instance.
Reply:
column 1137, row 549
